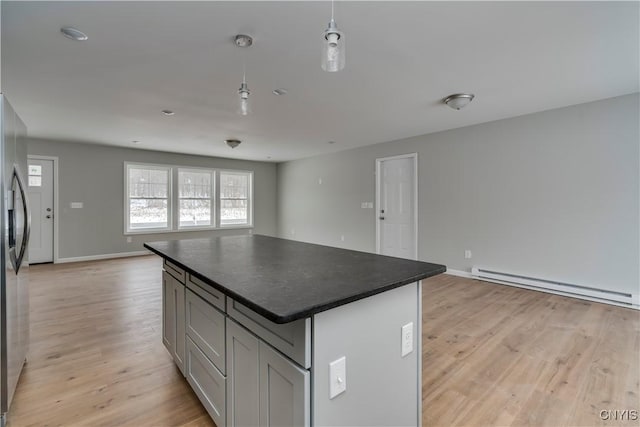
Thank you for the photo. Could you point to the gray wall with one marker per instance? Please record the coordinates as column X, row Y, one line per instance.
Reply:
column 553, row 194
column 94, row 175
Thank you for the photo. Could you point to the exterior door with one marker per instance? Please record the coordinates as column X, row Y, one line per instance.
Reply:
column 396, row 204
column 41, row 204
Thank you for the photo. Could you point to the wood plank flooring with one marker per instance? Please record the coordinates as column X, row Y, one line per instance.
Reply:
column 499, row 355
column 492, row 355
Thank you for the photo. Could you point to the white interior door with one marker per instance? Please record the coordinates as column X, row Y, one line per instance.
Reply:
column 41, row 203
column 397, row 227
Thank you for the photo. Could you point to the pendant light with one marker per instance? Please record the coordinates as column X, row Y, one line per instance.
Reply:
column 333, row 47
column 244, row 108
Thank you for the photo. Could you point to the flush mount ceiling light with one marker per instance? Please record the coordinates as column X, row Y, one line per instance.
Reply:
column 168, row 112
column 73, row 34
column 244, row 109
column 333, row 47
column 233, row 143
column 279, row 92
column 458, row 101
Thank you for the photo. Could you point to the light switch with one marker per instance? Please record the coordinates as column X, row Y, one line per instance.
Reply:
column 77, row 205
column 337, row 377
column 407, row 339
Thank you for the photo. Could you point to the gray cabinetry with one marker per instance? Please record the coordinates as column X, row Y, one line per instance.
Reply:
column 243, row 363
column 207, row 382
column 173, row 320
column 248, row 371
column 264, row 388
column 205, row 327
column 284, row 391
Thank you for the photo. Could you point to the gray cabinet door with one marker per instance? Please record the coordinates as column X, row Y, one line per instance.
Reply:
column 173, row 318
column 168, row 313
column 284, row 391
column 243, row 404
column 180, row 343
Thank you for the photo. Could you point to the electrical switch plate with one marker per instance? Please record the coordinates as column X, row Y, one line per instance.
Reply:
column 407, row 339
column 77, row 205
column 337, row 377
column 363, row 205
column 370, row 205
column 129, row 240
column 467, row 254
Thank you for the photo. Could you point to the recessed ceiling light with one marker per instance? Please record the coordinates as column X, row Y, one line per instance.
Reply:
column 279, row 92
column 331, row 142
column 233, row 143
column 135, row 141
column 73, row 34
column 168, row 112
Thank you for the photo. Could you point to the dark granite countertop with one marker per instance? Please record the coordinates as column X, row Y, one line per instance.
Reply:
column 284, row 280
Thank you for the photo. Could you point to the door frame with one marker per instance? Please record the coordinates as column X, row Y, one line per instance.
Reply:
column 55, row 199
column 379, row 161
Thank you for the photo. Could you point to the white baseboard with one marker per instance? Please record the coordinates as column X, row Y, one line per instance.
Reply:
column 459, row 273
column 103, row 256
column 468, row 275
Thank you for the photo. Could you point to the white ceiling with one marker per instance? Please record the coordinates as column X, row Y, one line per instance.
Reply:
column 402, row 59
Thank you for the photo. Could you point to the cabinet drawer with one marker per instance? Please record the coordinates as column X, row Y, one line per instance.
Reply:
column 208, row 292
column 205, row 325
column 174, row 270
column 207, row 382
column 293, row 339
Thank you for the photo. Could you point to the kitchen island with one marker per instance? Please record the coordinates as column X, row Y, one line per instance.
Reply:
column 269, row 331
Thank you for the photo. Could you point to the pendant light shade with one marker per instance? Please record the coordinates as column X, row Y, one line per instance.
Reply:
column 333, row 48
column 244, row 108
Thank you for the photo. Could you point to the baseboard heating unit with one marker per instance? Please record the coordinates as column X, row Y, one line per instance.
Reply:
column 577, row 291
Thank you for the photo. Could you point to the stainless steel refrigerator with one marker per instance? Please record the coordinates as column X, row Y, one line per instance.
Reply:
column 15, row 224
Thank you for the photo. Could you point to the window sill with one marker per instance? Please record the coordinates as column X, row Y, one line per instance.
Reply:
column 186, row 230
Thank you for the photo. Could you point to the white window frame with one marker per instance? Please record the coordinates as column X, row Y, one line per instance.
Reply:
column 213, row 199
column 127, row 213
column 249, row 223
column 173, row 199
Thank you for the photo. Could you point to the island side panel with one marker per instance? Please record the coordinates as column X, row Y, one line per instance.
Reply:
column 382, row 387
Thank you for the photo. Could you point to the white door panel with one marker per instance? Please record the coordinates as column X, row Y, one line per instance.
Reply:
column 397, row 207
column 40, row 191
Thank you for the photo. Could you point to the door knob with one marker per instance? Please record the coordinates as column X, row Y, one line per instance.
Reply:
column 381, row 217
column 48, row 216
column 48, row 209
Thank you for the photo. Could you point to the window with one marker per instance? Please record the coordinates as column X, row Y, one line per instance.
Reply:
column 235, row 195
column 148, row 198
column 161, row 198
column 196, row 198
column 35, row 176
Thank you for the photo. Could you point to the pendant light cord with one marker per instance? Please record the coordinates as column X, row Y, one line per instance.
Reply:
column 332, row 10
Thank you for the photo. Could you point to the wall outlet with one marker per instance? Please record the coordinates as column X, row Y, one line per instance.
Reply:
column 293, row 231
column 407, row 339
column 129, row 239
column 342, row 238
column 467, row 254
column 337, row 377
column 319, row 181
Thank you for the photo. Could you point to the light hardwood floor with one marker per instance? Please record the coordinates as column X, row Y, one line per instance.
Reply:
column 492, row 355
